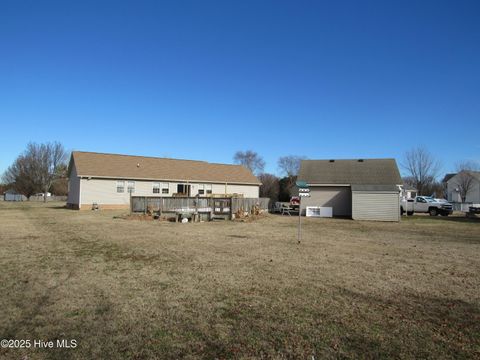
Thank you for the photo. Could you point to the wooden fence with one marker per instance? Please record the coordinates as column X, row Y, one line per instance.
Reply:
column 142, row 204
column 19, row 197
column 248, row 203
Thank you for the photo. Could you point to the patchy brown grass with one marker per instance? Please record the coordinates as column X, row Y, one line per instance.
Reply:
column 150, row 289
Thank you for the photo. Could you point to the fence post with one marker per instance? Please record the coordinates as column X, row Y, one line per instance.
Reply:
column 131, row 203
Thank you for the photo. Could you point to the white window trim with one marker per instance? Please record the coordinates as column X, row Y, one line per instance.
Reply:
column 208, row 189
column 165, row 186
column 122, row 186
column 129, row 187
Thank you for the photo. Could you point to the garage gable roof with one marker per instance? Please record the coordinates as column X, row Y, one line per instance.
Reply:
column 353, row 172
column 152, row 168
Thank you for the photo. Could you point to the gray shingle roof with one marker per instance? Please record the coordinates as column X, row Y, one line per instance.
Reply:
column 448, row 177
column 363, row 172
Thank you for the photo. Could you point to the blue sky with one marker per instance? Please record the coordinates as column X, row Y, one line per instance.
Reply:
column 203, row 79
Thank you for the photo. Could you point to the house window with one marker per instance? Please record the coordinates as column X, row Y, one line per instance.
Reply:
column 120, row 186
column 201, row 189
column 165, row 189
column 208, row 188
column 156, row 188
column 131, row 187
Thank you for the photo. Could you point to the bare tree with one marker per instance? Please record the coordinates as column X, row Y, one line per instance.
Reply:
column 270, row 186
column 290, row 165
column 464, row 179
column 251, row 160
column 422, row 168
column 37, row 168
column 60, row 184
column 19, row 176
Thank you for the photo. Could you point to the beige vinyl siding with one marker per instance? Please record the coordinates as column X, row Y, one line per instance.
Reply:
column 104, row 191
column 379, row 206
column 248, row 191
column 73, row 188
column 337, row 197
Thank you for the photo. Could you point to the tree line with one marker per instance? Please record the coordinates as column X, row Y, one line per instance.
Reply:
column 42, row 168
column 277, row 188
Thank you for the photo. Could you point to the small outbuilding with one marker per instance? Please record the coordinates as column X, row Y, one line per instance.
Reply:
column 362, row 189
column 12, row 195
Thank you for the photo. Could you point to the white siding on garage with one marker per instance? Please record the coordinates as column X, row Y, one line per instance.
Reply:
column 375, row 205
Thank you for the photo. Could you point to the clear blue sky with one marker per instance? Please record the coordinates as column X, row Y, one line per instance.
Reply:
column 202, row 79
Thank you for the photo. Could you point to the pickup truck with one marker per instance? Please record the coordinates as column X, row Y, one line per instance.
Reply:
column 426, row 204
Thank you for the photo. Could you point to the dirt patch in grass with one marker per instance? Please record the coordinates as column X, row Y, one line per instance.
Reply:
column 135, row 217
column 154, row 289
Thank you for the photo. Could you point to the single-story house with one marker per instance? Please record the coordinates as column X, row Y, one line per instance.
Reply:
column 469, row 181
column 108, row 180
column 362, row 189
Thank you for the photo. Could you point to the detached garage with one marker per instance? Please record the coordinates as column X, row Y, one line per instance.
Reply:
column 363, row 189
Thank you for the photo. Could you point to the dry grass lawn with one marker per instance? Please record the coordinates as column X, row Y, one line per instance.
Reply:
column 141, row 290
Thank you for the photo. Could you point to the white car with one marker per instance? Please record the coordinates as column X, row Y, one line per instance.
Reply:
column 41, row 194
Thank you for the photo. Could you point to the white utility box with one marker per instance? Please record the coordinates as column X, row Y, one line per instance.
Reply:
column 319, row 211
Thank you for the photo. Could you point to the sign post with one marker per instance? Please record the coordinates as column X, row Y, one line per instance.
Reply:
column 303, row 191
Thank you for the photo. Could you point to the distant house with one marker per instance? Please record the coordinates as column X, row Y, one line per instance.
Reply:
column 363, row 189
column 12, row 195
column 108, row 179
column 454, row 184
column 409, row 192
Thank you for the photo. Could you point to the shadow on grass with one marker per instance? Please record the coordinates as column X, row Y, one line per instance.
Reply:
column 415, row 326
column 60, row 207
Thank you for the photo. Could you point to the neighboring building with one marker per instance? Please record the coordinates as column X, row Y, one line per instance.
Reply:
column 454, row 184
column 363, row 189
column 409, row 192
column 12, row 195
column 109, row 179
